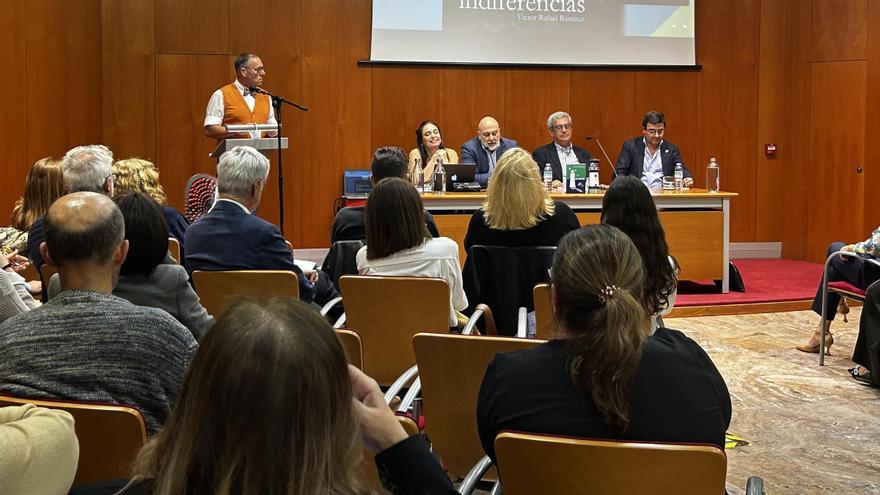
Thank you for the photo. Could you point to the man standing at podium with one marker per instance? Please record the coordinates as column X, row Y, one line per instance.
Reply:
column 236, row 104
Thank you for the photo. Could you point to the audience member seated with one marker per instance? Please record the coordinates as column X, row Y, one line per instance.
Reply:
column 866, row 353
column 38, row 450
column 560, row 152
column 41, row 188
column 15, row 292
column 136, row 175
column 86, row 344
column 231, row 237
column 149, row 277
column 200, row 194
column 855, row 270
column 84, row 168
column 284, row 413
column 398, row 243
column 628, row 205
column 429, row 148
column 605, row 377
column 486, row 149
column 388, row 161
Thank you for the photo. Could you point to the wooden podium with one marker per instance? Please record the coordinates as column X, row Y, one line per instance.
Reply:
column 265, row 146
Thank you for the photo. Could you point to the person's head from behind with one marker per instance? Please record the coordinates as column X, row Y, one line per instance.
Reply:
column 241, row 176
column 44, row 184
column 629, row 206
column 85, row 233
column 394, row 218
column 388, row 161
column 137, row 175
column 597, row 279
column 516, row 198
column 266, row 407
column 88, row 168
column 146, row 232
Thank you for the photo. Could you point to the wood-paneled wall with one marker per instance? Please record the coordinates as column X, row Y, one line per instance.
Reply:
column 137, row 74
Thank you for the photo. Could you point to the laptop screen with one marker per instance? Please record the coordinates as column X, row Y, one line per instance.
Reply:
column 356, row 183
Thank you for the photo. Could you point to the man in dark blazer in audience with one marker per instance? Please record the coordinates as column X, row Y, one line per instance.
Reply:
column 486, row 149
column 560, row 152
column 231, row 237
column 649, row 157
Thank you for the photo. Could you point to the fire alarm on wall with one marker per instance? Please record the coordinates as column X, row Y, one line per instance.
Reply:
column 770, row 149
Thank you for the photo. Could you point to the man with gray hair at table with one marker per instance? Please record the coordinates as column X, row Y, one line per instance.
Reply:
column 87, row 344
column 560, row 152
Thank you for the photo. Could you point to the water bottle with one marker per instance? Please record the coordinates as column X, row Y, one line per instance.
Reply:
column 678, row 180
column 713, row 176
column 439, row 176
column 420, row 175
column 593, row 177
column 417, row 169
column 548, row 178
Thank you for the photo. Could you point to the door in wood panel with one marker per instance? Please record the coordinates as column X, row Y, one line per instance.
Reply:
column 837, row 151
column 872, row 121
column 531, row 96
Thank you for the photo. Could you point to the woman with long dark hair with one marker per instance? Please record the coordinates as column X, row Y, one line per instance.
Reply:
column 430, row 148
column 628, row 205
column 605, row 377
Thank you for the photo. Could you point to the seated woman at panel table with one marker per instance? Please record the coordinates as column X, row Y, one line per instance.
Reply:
column 857, row 271
column 270, row 406
column 605, row 377
column 429, row 148
column 628, row 205
column 148, row 276
column 399, row 244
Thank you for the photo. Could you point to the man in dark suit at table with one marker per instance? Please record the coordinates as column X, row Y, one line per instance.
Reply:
column 231, row 237
column 649, row 157
column 486, row 149
column 560, row 152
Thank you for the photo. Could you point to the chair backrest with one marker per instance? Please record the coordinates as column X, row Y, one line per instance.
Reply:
column 543, row 464
column 386, row 312
column 109, row 437
column 545, row 320
column 351, row 344
column 451, row 369
column 504, row 278
column 217, row 290
column 174, row 249
column 341, row 260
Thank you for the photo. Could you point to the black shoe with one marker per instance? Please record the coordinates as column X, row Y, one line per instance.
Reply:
column 865, row 377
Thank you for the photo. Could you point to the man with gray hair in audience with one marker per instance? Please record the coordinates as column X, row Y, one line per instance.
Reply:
column 86, row 344
column 84, row 168
column 559, row 153
column 231, row 237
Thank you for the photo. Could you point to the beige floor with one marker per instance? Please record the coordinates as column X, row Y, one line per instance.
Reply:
column 813, row 430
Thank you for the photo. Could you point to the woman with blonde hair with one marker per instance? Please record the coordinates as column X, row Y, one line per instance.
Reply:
column 604, row 377
column 138, row 175
column 41, row 188
column 518, row 210
column 270, row 406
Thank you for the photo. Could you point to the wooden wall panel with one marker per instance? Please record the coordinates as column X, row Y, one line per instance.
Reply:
column 13, row 128
column 193, row 26
column 531, row 96
column 128, row 83
column 83, row 83
column 47, row 55
column 466, row 96
column 728, row 104
column 184, row 84
column 871, row 178
column 837, row 148
column 602, row 106
column 840, row 30
column 401, row 99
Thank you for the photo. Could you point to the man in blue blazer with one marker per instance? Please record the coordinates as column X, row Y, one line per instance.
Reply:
column 560, row 152
column 230, row 237
column 486, row 149
column 649, row 157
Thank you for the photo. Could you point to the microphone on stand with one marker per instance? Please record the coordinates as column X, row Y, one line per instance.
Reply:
column 613, row 168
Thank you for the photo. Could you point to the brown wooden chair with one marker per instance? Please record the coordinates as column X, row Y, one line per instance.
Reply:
column 451, row 369
column 530, row 464
column 174, row 250
column 219, row 289
column 351, row 344
column 109, row 436
column 545, row 320
column 386, row 312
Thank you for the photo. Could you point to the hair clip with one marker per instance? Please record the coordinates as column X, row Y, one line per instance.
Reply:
column 607, row 293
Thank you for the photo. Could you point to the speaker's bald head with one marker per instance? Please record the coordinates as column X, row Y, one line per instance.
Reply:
column 83, row 227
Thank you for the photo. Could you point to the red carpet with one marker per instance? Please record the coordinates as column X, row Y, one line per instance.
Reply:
column 766, row 280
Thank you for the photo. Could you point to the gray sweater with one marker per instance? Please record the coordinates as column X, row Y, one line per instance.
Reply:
column 94, row 347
